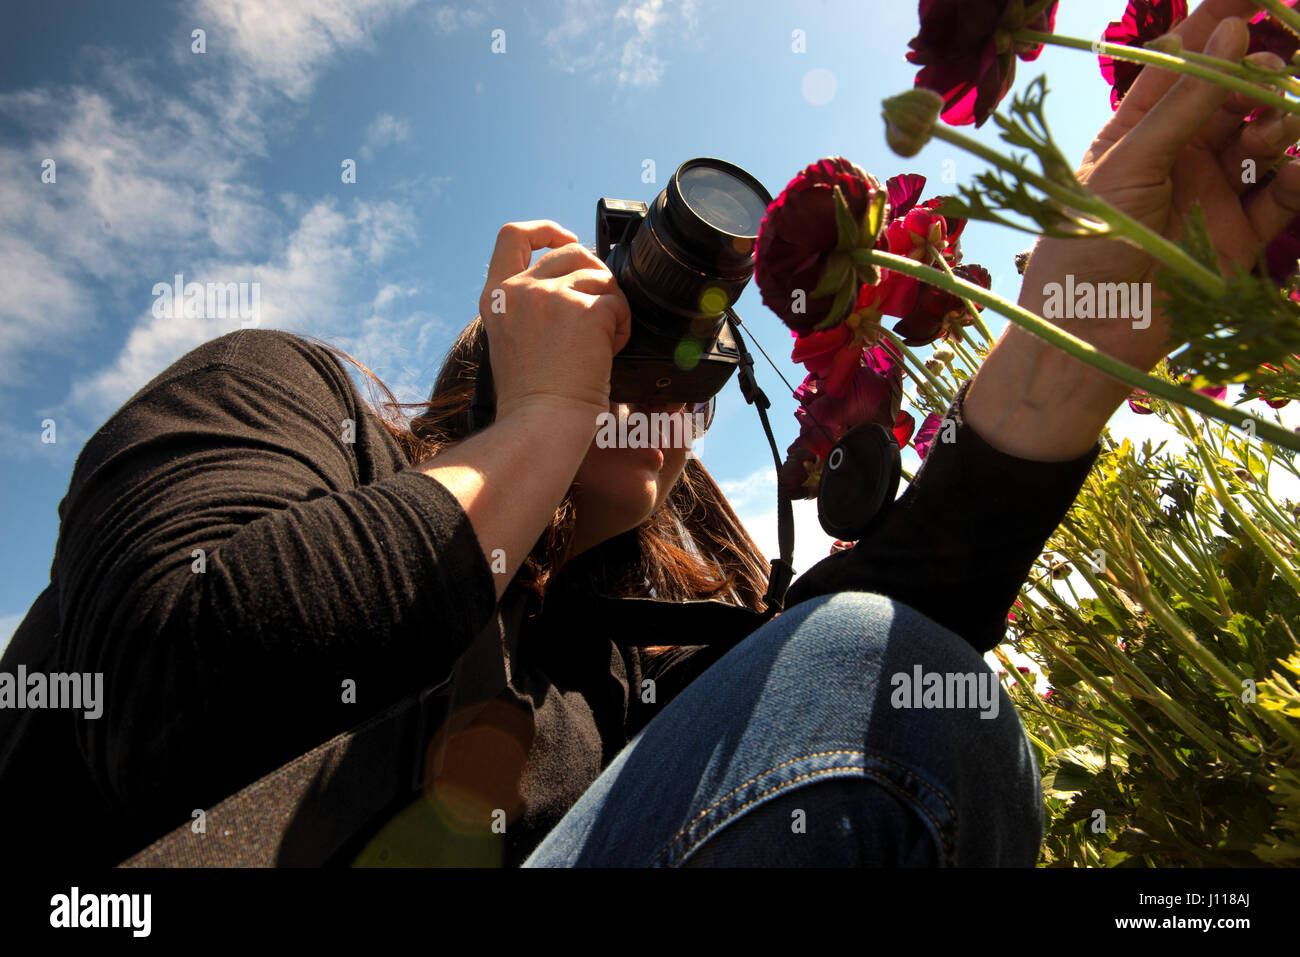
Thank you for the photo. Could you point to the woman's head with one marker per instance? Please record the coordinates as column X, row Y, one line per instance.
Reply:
column 647, row 516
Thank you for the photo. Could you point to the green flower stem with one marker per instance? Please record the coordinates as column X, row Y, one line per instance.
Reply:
column 1183, row 637
column 1107, row 693
column 1176, row 577
column 1120, row 225
column 1230, row 505
column 1117, row 614
column 1083, row 351
column 1229, row 74
column 1287, row 16
column 1031, row 696
column 1247, row 71
column 971, row 363
column 935, row 382
column 1081, row 625
column 970, row 306
column 1120, row 663
column 1276, row 520
column 1190, row 570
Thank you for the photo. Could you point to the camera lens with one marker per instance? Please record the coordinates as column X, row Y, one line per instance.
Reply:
column 721, row 200
column 682, row 262
column 694, row 251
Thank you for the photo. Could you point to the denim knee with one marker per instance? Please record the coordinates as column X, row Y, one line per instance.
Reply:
column 941, row 744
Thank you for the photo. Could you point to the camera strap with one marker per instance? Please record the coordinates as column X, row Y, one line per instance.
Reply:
column 782, row 571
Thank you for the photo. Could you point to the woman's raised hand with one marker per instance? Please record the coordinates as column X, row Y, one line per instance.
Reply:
column 553, row 327
column 1176, row 142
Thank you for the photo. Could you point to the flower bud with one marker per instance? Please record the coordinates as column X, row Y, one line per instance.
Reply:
column 910, row 118
column 1170, row 43
column 934, row 365
column 944, row 355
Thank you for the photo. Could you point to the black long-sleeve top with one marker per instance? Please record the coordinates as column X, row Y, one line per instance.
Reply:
column 232, row 565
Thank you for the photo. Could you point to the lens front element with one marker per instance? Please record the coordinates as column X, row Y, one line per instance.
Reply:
column 721, row 200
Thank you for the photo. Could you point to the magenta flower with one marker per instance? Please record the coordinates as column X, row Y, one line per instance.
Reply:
column 936, row 312
column 926, row 433
column 904, row 425
column 967, row 53
column 871, row 397
column 799, row 234
column 832, row 355
column 1143, row 20
column 1267, row 34
column 1140, row 401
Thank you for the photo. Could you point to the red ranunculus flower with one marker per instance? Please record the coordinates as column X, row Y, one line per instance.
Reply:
column 874, row 395
column 926, row 433
column 1138, row 401
column 905, row 193
column 799, row 234
column 967, row 54
column 1270, row 35
column 904, row 425
column 1143, row 20
column 912, row 235
column 936, row 312
column 1282, row 253
column 833, row 355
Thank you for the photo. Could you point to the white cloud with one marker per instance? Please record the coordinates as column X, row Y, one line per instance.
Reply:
column 383, row 132
column 811, row 544
column 285, row 45
column 621, row 45
column 759, row 486
column 303, row 289
column 388, row 294
column 448, row 19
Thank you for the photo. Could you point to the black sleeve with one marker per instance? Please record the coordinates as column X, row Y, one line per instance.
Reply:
column 958, row 544
column 227, row 559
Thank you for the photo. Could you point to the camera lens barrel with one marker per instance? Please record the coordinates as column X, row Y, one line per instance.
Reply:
column 682, row 267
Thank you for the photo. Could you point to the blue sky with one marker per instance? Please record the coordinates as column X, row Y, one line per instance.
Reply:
column 225, row 166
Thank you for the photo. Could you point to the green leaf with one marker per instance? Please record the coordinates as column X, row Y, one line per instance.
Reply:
column 873, row 220
column 838, row 266
column 840, row 307
column 845, row 228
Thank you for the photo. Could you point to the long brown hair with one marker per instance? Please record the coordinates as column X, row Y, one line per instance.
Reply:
column 693, row 547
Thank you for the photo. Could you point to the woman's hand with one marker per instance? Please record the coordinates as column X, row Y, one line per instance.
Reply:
column 1175, row 142
column 553, row 327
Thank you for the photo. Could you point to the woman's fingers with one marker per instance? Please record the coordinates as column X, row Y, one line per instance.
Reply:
column 596, row 281
column 1154, row 145
column 515, row 245
column 1226, row 125
column 1273, row 207
column 1195, row 32
column 1256, row 148
column 566, row 259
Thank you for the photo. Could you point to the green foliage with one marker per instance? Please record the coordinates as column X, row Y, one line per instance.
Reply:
column 1171, row 734
column 1229, row 337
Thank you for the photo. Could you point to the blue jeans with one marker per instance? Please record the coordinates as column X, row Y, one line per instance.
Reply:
column 794, row 750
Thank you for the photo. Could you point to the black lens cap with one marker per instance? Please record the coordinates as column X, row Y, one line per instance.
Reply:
column 859, row 481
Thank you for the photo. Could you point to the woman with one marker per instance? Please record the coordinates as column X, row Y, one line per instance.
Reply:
column 256, row 562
